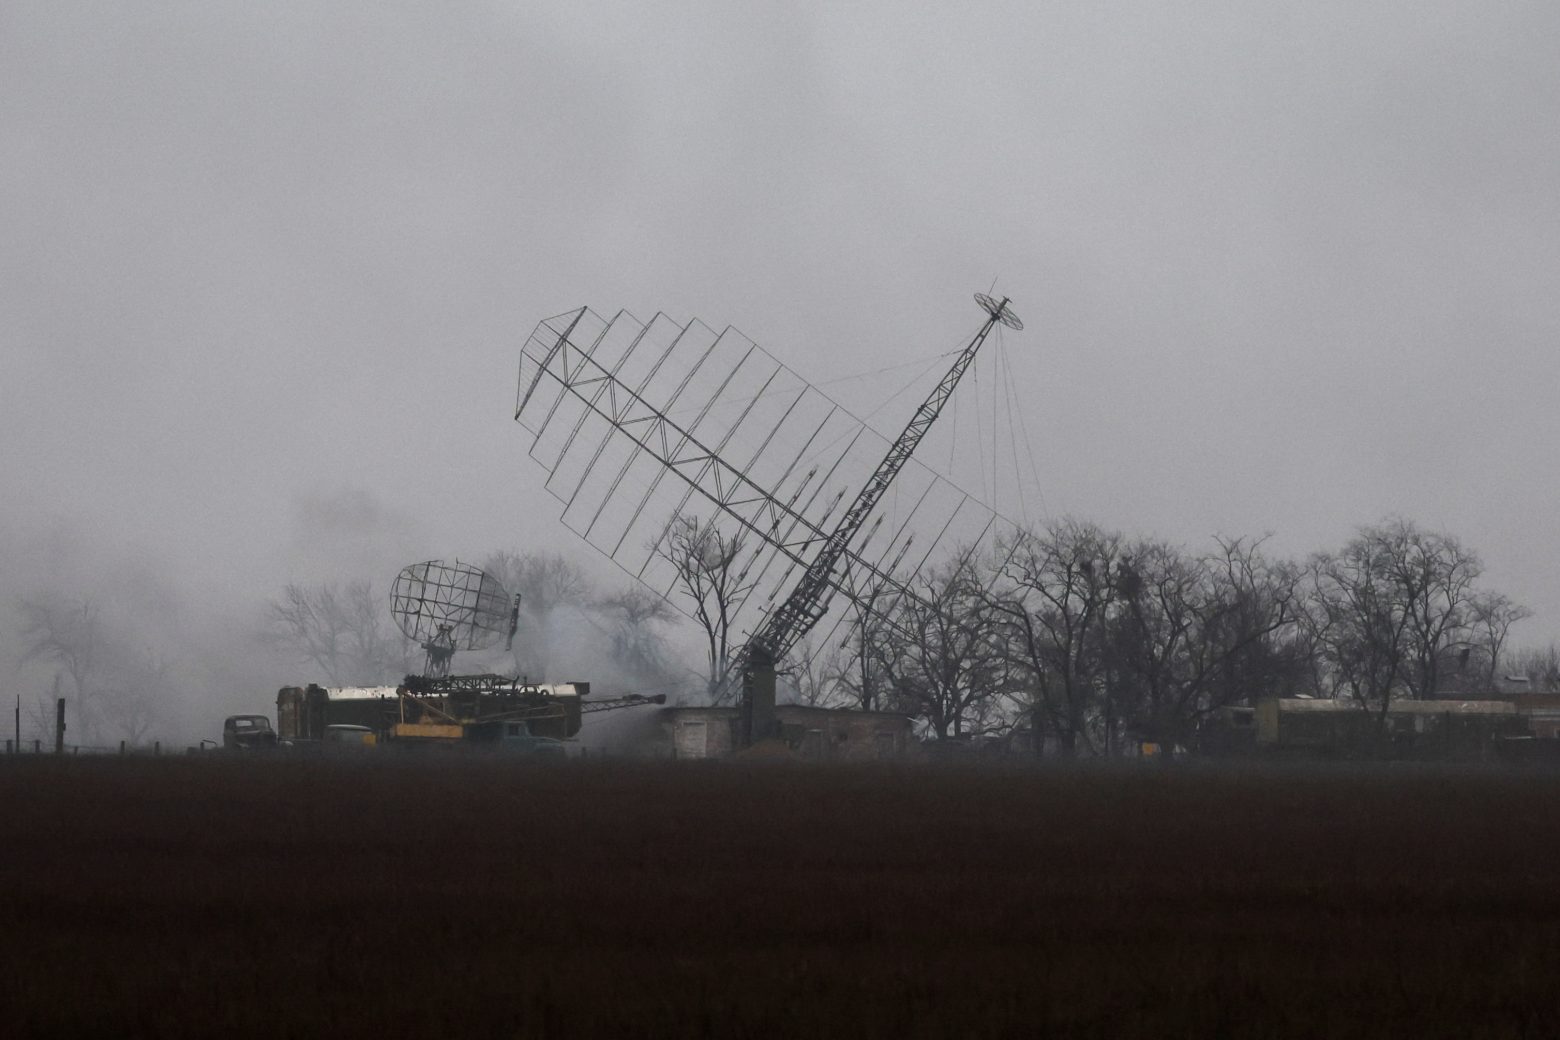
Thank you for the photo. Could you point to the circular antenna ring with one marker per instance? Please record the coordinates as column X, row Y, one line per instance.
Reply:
column 999, row 310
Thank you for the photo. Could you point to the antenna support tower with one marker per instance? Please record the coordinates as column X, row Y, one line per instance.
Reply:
column 809, row 600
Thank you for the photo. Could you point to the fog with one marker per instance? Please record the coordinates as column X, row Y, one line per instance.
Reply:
column 265, row 271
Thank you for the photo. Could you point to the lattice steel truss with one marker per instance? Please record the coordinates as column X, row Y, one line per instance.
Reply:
column 434, row 600
column 639, row 424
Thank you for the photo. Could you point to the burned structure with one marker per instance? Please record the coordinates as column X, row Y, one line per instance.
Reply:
column 303, row 713
column 643, row 425
column 446, row 608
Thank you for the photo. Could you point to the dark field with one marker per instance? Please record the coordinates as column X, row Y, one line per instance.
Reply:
column 214, row 897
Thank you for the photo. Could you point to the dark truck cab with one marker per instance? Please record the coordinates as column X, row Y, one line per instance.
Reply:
column 248, row 733
column 512, row 737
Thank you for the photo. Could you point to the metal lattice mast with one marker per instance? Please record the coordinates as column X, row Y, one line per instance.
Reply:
column 777, row 522
column 809, row 601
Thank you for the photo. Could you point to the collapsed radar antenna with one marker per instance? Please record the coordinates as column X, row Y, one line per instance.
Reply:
column 641, row 425
column 445, row 607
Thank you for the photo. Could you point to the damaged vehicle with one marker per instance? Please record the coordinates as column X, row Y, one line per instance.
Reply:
column 248, row 733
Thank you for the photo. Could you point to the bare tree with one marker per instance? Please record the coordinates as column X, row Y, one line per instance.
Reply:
column 69, row 634
column 709, row 577
column 818, row 676
column 1159, row 589
column 1251, row 641
column 310, row 623
column 65, row 632
column 133, row 704
column 1540, row 665
column 1050, row 610
column 1385, row 609
column 343, row 630
column 1358, row 628
column 638, row 647
column 39, row 713
column 1198, row 633
column 546, row 582
column 1434, row 575
column 939, row 657
column 116, row 689
column 374, row 641
column 854, row 666
column 1490, row 617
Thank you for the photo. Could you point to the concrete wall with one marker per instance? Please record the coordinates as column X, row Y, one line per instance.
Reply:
column 1413, row 729
column 811, row 734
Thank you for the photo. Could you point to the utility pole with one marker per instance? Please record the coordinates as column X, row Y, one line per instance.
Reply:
column 59, row 718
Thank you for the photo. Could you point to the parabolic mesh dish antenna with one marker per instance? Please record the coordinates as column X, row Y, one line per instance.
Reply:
column 642, row 426
column 999, row 310
column 446, row 607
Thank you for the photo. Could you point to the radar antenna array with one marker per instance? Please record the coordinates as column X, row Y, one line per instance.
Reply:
column 445, row 607
column 644, row 425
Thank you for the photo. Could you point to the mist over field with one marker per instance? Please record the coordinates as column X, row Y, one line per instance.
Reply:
column 1242, row 723
column 265, row 272
column 172, row 654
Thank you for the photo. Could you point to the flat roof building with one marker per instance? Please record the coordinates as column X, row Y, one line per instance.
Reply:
column 808, row 733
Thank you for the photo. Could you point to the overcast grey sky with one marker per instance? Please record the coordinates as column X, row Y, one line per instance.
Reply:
column 265, row 268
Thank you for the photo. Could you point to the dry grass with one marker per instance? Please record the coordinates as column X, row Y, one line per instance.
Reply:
column 199, row 897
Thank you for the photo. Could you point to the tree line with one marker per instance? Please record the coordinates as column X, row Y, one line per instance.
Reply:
column 1086, row 638
column 1092, row 641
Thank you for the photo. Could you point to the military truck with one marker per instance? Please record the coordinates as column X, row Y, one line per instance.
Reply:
column 247, row 733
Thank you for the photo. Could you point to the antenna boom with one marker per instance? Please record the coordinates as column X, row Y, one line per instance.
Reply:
column 809, row 600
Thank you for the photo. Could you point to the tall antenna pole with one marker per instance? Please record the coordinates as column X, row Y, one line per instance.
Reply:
column 809, row 601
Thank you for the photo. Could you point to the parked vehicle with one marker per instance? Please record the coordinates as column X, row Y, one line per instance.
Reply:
column 349, row 738
column 248, row 733
column 481, row 712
